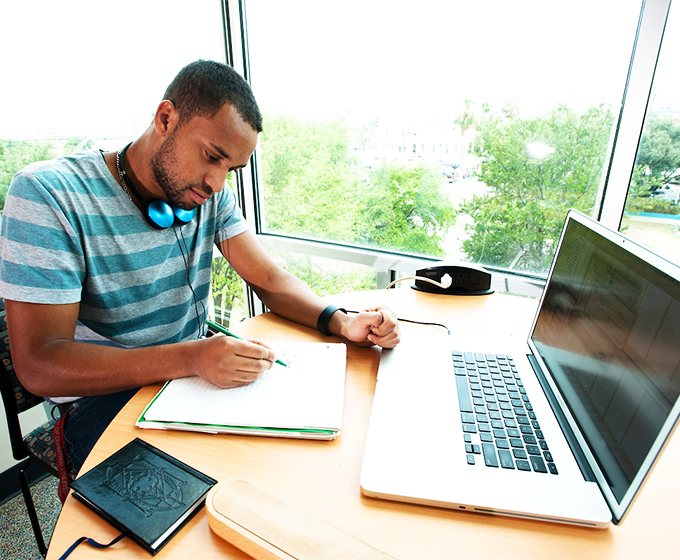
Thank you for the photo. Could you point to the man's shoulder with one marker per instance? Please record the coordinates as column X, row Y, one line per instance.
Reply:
column 81, row 172
column 89, row 163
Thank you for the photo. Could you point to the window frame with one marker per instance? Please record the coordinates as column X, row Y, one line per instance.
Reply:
column 612, row 194
column 636, row 97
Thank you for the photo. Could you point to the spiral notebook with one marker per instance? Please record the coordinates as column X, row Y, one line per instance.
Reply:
column 304, row 400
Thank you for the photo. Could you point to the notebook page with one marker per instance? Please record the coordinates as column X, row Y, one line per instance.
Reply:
column 309, row 393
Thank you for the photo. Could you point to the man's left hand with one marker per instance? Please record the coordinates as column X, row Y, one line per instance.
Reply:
column 377, row 325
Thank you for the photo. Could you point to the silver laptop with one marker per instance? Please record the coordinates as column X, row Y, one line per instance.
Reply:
column 564, row 426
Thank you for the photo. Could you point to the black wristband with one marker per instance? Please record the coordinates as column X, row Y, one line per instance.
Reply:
column 325, row 317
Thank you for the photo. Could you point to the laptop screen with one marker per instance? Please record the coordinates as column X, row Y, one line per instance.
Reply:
column 609, row 333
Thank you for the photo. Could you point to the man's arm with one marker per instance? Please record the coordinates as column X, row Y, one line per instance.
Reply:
column 289, row 297
column 49, row 362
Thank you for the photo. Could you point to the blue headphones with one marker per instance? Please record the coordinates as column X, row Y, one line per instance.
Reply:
column 158, row 213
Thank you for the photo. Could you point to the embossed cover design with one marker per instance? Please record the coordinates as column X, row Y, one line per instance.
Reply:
column 145, row 491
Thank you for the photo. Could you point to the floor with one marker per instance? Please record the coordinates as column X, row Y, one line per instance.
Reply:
column 17, row 541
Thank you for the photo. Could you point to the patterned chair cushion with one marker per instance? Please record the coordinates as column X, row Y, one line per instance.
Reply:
column 40, row 444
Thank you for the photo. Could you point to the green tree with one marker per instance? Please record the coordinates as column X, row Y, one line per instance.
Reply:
column 404, row 208
column 313, row 187
column 660, row 149
column 535, row 170
column 657, row 164
column 226, row 291
column 307, row 177
column 466, row 120
column 14, row 156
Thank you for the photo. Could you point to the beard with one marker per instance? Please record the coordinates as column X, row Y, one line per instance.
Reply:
column 164, row 167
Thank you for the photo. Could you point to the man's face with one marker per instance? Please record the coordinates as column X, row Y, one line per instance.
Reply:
column 193, row 161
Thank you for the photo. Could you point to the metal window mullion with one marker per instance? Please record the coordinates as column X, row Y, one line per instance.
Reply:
column 633, row 110
column 245, row 180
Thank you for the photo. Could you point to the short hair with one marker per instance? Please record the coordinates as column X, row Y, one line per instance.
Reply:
column 203, row 87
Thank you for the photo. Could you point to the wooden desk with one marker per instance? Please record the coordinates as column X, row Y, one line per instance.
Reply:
column 322, row 478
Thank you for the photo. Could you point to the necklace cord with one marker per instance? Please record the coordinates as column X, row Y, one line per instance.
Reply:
column 128, row 187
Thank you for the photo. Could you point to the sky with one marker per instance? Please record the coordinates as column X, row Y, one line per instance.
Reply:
column 79, row 63
column 86, row 66
column 415, row 58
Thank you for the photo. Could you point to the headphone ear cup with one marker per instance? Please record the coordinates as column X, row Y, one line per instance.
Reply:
column 184, row 216
column 160, row 214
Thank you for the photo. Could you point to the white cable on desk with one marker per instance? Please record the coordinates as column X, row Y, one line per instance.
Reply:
column 443, row 285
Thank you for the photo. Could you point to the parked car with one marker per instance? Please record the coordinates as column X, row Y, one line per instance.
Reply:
column 449, row 171
column 668, row 192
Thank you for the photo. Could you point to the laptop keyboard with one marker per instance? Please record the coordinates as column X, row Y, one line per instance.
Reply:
column 499, row 424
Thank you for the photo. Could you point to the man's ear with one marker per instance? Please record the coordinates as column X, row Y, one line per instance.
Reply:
column 166, row 118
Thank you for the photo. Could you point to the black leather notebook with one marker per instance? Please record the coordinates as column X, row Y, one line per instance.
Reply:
column 142, row 490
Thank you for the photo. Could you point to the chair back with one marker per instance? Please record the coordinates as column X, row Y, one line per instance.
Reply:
column 14, row 396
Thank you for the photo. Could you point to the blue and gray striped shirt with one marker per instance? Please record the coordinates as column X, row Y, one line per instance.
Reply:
column 70, row 234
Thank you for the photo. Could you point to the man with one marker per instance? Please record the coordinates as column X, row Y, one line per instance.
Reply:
column 101, row 299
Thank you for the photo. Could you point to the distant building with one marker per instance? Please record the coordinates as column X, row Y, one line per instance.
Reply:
column 409, row 143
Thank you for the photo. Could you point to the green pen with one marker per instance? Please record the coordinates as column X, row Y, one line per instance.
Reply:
column 220, row 328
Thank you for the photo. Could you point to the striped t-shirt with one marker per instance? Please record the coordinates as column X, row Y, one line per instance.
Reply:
column 70, row 234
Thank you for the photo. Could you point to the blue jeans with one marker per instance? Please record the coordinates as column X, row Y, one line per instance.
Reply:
column 87, row 419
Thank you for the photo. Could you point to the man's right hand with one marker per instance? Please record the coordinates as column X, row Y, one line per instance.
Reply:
column 232, row 362
column 50, row 363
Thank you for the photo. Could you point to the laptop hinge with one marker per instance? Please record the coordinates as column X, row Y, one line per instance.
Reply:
column 581, row 460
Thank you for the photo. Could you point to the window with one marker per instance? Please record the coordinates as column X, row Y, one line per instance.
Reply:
column 652, row 215
column 394, row 133
column 82, row 75
column 530, row 109
column 80, row 70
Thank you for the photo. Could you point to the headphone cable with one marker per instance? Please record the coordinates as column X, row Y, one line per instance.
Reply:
column 448, row 331
column 196, row 299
